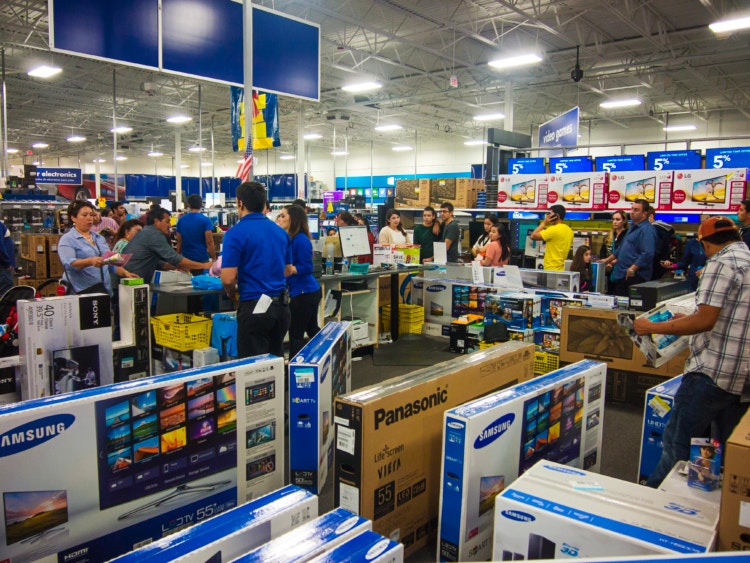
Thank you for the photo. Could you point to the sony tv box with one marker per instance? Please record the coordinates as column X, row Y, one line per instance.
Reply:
column 554, row 512
column 90, row 475
column 311, row 539
column 319, row 372
column 230, row 534
column 489, row 442
column 388, row 438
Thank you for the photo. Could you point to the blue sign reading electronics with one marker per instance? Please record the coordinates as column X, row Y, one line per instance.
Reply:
column 58, row 176
column 738, row 157
column 526, row 166
column 625, row 163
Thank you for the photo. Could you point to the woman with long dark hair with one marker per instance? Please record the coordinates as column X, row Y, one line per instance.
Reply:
column 393, row 231
column 304, row 289
column 497, row 252
column 480, row 247
column 582, row 264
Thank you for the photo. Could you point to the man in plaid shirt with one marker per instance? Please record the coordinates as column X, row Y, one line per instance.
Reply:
column 715, row 386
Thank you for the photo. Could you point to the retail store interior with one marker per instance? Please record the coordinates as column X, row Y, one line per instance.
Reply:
column 448, row 409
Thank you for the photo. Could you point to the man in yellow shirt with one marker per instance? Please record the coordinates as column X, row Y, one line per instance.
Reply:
column 557, row 236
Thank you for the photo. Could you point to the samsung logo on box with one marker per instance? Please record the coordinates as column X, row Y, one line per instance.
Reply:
column 456, row 425
column 566, row 470
column 34, row 433
column 518, row 516
column 437, row 288
column 494, row 431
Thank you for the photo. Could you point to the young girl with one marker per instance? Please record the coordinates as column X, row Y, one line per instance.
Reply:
column 498, row 249
column 582, row 265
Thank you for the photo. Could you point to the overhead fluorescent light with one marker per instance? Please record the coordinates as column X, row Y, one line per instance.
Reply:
column 489, row 116
column 680, row 128
column 730, row 25
column 339, row 153
column 40, row 145
column 184, row 166
column 361, row 87
column 44, row 71
column 196, row 148
column 121, row 157
column 286, row 157
column 121, row 129
column 11, row 151
column 240, row 161
column 475, row 142
column 179, row 119
column 76, row 139
column 620, row 103
column 207, row 164
column 388, row 127
column 36, row 163
column 312, row 136
column 402, row 148
column 520, row 60
column 155, row 154
column 99, row 160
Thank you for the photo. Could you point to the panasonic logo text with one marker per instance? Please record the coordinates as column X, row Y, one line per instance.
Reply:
column 391, row 416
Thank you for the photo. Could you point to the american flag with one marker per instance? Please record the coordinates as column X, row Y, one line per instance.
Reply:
column 243, row 170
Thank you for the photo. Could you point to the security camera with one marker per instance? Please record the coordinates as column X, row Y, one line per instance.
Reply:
column 576, row 74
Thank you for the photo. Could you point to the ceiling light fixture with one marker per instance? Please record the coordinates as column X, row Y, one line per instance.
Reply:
column 475, row 142
column 388, row 127
column 76, row 139
column 121, row 157
column 730, row 25
column 44, row 71
column 99, row 160
column 402, row 148
column 11, row 151
column 489, row 116
column 520, row 60
column 36, row 163
column 339, row 153
column 361, row 87
column 121, row 129
column 196, row 148
column 179, row 119
column 207, row 164
column 312, row 136
column 680, row 128
column 154, row 154
column 184, row 166
column 286, row 157
column 620, row 103
column 40, row 145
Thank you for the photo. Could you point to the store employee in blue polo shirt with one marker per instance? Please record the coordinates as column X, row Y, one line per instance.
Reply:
column 257, row 257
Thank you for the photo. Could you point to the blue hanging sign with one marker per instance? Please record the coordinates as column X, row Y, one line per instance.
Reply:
column 58, row 176
column 526, row 166
column 623, row 163
column 561, row 131
column 737, row 157
column 674, row 160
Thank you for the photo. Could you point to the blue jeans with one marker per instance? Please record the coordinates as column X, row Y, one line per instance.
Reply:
column 697, row 404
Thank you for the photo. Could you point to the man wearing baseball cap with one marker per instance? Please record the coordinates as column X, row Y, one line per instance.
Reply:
column 715, row 386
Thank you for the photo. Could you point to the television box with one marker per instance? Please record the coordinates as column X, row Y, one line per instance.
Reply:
column 547, row 340
column 461, row 192
column 321, row 371
column 704, row 467
column 464, row 340
column 471, row 299
column 54, row 265
column 232, row 533
column 521, row 191
column 595, row 334
column 517, row 310
column 554, row 512
column 489, row 442
column 367, row 547
column 36, row 269
column 521, row 334
column 60, row 338
column 710, row 190
column 658, row 408
column 10, row 378
column 132, row 354
column 647, row 295
column 552, row 309
column 130, row 463
column 655, row 186
column 388, row 438
column 734, row 527
column 412, row 193
column 577, row 191
column 659, row 348
column 310, row 539
column 436, row 296
column 33, row 246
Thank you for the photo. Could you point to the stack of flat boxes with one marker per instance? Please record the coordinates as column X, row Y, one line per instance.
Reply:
column 412, row 193
column 461, row 192
column 39, row 259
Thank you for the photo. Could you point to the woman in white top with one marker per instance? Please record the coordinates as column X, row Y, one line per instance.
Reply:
column 393, row 232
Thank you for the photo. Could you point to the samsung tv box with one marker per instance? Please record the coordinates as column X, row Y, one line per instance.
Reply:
column 232, row 533
column 311, row 539
column 554, row 511
column 657, row 410
column 489, row 442
column 368, row 547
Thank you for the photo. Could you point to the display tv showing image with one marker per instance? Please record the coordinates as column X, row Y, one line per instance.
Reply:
column 709, row 192
column 577, row 193
column 33, row 516
column 553, row 425
column 162, row 439
column 74, row 369
column 489, row 488
column 643, row 188
column 523, row 192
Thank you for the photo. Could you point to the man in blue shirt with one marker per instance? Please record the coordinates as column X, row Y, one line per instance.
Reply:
column 7, row 259
column 195, row 238
column 257, row 257
column 634, row 259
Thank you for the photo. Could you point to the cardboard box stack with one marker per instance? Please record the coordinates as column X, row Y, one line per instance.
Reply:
column 734, row 524
column 461, row 192
column 412, row 193
column 39, row 259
